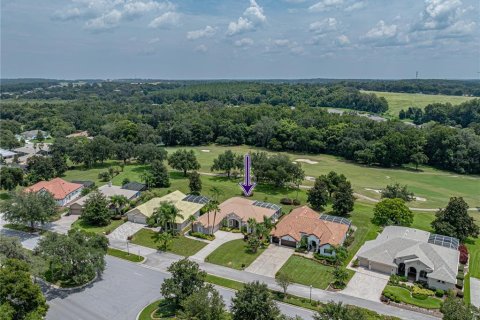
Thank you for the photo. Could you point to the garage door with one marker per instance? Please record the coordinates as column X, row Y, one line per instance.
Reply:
column 288, row 243
column 275, row 239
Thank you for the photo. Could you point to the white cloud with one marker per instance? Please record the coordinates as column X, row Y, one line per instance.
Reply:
column 105, row 21
column 386, row 35
column 439, row 14
column 323, row 26
column 244, row 42
column 68, row 14
column 325, row 5
column 343, row 40
column 252, row 17
column 166, row 20
column 201, row 48
column 356, row 6
column 281, row 42
column 207, row 32
column 154, row 40
column 282, row 45
column 134, row 9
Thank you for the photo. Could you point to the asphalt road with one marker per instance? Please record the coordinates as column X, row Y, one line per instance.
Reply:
column 122, row 292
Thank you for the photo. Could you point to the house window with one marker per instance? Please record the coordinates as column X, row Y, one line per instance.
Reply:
column 423, row 274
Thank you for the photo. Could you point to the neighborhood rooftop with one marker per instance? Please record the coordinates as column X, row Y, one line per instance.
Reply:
column 59, row 188
column 109, row 191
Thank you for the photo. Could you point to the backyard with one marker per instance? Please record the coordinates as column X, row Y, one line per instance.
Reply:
column 180, row 245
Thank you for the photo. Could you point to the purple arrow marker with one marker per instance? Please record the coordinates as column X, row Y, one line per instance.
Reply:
column 246, row 186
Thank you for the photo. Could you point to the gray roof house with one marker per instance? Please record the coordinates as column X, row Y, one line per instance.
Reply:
column 32, row 134
column 417, row 254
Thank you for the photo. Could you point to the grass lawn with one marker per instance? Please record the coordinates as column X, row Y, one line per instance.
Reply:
column 227, row 283
column 114, row 224
column 405, row 296
column 159, row 309
column 308, row 272
column 124, row 255
column 398, row 101
column 233, row 254
column 180, row 245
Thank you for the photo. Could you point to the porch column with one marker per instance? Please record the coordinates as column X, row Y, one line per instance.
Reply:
column 417, row 275
column 406, row 271
column 279, row 241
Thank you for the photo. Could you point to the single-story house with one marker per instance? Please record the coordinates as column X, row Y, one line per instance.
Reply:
column 86, row 183
column 416, row 254
column 29, row 150
column 7, row 154
column 63, row 191
column 32, row 134
column 108, row 191
column 235, row 213
column 137, row 186
column 187, row 206
column 322, row 232
column 78, row 134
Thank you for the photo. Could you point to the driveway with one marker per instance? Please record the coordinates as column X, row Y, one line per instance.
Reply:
column 366, row 284
column 124, row 231
column 62, row 225
column 475, row 291
column 270, row 261
column 221, row 237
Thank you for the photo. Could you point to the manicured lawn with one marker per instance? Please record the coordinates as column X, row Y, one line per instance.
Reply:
column 181, row 245
column 398, row 101
column 114, row 224
column 233, row 254
column 405, row 296
column 227, row 283
column 159, row 309
column 124, row 255
column 308, row 272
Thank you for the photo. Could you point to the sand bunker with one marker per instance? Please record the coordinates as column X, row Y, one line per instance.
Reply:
column 374, row 190
column 309, row 178
column 205, row 150
column 420, row 199
column 306, row 161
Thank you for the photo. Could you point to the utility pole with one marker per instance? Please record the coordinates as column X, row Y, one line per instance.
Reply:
column 416, row 75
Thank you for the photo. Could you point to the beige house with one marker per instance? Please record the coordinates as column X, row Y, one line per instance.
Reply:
column 187, row 206
column 235, row 213
column 416, row 254
column 108, row 191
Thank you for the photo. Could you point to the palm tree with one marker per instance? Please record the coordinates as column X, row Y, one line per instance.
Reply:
column 215, row 208
column 147, row 177
column 118, row 202
column 192, row 220
column 172, row 213
column 252, row 225
column 159, row 218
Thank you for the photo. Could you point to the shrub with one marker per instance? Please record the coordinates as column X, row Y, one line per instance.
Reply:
column 463, row 254
column 395, row 279
column 286, row 201
column 459, row 284
column 419, row 296
column 421, row 291
column 461, row 268
column 104, row 176
column 296, row 202
column 460, row 294
column 349, row 240
column 202, row 236
column 117, row 217
column 460, row 276
column 439, row 293
column 355, row 263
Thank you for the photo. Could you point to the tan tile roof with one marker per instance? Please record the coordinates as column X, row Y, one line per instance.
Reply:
column 304, row 220
column 241, row 207
column 59, row 188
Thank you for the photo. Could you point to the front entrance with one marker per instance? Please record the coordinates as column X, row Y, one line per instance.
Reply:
column 401, row 269
column 412, row 274
column 312, row 246
column 233, row 223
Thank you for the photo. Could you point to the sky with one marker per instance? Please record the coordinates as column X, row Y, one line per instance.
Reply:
column 240, row 39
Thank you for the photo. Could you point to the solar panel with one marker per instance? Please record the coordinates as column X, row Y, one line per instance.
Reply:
column 336, row 219
column 267, row 205
column 444, row 241
column 196, row 199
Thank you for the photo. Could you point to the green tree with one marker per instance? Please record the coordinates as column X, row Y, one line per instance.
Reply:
column 343, row 199
column 40, row 137
column 337, row 311
column 11, row 248
column 74, row 258
column 297, row 177
column 454, row 220
column 194, row 183
column 40, row 168
column 59, row 163
column 101, row 148
column 204, row 304
column 8, row 140
column 164, row 240
column 283, row 280
column 186, row 279
column 29, row 208
column 118, row 201
column 212, row 206
column 19, row 296
column 392, row 212
column 124, row 151
column 254, row 301
column 456, row 309
column 183, row 160
column 165, row 216
column 148, row 152
column 159, row 174
column 418, row 158
column 396, row 190
column 10, row 177
column 318, row 195
column 95, row 211
column 227, row 162
column 341, row 276
column 192, row 220
column 334, row 181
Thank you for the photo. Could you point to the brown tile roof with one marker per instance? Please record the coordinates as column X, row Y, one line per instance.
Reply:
column 59, row 188
column 307, row 221
column 241, row 207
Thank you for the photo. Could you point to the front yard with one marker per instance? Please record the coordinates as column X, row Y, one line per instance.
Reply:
column 233, row 254
column 405, row 296
column 180, row 245
column 308, row 272
column 82, row 225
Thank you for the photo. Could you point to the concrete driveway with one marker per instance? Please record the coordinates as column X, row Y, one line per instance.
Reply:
column 62, row 225
column 475, row 291
column 125, row 230
column 220, row 238
column 270, row 261
column 366, row 284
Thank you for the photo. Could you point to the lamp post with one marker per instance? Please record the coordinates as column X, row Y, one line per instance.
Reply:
column 128, row 250
column 310, row 293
